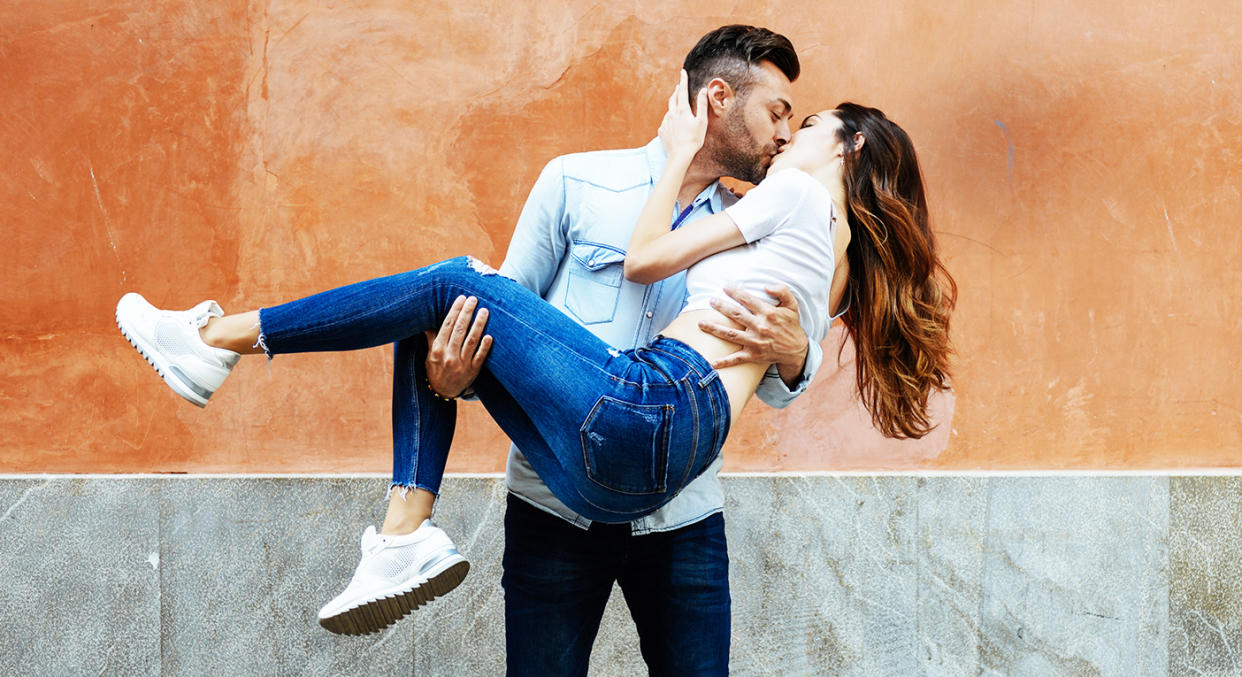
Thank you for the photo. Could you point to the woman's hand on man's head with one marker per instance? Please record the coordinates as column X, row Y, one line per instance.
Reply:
column 683, row 130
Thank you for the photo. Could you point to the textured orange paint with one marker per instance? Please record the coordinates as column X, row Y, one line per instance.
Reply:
column 1082, row 162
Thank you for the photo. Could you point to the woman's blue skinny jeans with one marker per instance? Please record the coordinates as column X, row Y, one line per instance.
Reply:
column 614, row 434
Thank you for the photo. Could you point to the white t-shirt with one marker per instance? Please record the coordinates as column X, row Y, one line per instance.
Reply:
column 789, row 222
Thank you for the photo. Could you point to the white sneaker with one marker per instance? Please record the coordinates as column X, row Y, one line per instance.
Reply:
column 397, row 574
column 171, row 343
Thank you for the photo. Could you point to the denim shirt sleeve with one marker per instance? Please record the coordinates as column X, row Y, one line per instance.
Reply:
column 772, row 389
column 538, row 243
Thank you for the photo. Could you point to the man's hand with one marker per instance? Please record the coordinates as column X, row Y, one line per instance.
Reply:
column 457, row 351
column 769, row 335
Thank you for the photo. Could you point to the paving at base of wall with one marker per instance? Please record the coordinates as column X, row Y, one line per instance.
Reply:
column 830, row 575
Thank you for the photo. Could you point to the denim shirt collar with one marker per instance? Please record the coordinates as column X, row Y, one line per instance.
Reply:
column 657, row 159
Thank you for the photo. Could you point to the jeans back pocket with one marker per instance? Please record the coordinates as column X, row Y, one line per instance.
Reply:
column 595, row 275
column 625, row 446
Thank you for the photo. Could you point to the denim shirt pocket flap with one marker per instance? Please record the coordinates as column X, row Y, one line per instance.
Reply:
column 595, row 257
column 594, row 284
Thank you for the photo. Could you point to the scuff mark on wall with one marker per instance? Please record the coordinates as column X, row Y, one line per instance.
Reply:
column 107, row 226
column 1009, row 151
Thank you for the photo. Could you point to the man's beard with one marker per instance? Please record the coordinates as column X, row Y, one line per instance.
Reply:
column 739, row 157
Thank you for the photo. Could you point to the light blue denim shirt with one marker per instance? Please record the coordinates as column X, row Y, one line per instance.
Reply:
column 568, row 247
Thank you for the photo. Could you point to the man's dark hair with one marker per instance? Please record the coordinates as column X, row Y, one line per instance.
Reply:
column 730, row 52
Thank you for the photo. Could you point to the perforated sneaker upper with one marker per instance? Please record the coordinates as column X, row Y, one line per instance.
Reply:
column 393, row 562
column 170, row 339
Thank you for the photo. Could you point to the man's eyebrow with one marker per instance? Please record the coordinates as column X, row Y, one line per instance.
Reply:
column 785, row 103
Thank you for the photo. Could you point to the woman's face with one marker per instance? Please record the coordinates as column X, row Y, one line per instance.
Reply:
column 814, row 146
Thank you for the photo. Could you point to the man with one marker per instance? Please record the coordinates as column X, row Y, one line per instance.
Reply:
column 568, row 246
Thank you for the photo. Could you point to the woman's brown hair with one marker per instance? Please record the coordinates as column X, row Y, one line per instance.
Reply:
column 900, row 294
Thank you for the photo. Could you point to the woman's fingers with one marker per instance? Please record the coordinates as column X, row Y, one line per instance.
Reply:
column 700, row 116
column 683, row 128
column 677, row 101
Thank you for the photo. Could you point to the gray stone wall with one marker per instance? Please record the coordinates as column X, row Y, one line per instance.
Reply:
column 830, row 575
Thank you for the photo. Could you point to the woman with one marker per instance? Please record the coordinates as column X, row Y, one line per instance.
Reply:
column 652, row 418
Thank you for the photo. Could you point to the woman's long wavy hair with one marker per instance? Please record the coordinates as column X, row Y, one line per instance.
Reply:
column 899, row 292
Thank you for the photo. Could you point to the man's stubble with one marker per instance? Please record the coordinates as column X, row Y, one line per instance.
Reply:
column 736, row 154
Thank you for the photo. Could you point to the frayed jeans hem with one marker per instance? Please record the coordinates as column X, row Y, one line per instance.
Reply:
column 405, row 490
column 261, row 341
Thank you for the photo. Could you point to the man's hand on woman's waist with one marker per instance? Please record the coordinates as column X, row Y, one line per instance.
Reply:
column 770, row 334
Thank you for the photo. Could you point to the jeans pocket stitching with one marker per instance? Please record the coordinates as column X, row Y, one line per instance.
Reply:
column 658, row 447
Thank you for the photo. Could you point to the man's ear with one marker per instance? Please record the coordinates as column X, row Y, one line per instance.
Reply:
column 859, row 140
column 720, row 96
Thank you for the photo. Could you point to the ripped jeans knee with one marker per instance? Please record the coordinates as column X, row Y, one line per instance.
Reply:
column 480, row 267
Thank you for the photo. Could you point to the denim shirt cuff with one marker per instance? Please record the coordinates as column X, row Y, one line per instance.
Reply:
column 773, row 390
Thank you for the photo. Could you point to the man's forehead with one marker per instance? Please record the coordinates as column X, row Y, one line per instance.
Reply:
column 772, row 85
column 772, row 74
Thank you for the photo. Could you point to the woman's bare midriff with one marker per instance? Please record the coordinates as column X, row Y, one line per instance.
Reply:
column 739, row 381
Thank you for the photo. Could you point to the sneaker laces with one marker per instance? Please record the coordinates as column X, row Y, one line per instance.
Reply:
column 203, row 312
column 373, row 542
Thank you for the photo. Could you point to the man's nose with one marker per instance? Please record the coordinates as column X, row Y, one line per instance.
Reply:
column 782, row 133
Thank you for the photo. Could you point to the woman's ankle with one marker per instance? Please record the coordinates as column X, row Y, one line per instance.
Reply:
column 400, row 528
column 208, row 334
column 238, row 333
column 408, row 507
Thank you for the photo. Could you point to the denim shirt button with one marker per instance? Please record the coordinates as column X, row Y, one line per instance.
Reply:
column 649, row 314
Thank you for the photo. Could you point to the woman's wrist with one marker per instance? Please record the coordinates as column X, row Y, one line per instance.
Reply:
column 679, row 161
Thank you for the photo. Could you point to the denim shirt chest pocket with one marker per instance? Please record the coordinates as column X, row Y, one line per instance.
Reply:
column 596, row 272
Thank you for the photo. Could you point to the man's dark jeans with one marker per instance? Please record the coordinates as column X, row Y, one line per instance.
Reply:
column 558, row 577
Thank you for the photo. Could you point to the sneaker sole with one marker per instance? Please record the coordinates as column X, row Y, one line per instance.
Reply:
column 375, row 615
column 161, row 366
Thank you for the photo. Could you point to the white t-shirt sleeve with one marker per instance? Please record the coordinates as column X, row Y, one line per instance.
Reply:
column 770, row 203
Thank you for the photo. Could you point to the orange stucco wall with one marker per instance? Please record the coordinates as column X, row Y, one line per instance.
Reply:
column 1083, row 162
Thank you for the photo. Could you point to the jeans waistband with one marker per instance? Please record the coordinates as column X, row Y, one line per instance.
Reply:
column 694, row 362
